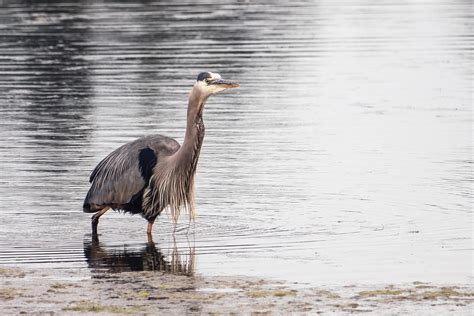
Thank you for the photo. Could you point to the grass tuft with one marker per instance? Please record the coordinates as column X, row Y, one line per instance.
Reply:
column 373, row 293
column 266, row 293
column 9, row 293
column 443, row 293
column 98, row 308
column 11, row 272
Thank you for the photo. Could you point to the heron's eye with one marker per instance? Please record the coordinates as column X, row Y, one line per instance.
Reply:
column 208, row 81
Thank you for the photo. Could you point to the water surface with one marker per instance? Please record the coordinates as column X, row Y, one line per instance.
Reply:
column 345, row 156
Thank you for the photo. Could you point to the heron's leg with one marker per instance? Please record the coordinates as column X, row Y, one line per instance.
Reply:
column 150, row 225
column 95, row 219
column 150, row 239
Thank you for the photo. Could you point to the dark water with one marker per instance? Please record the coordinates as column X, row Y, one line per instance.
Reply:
column 345, row 156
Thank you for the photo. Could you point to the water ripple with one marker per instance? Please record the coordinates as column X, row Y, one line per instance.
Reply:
column 345, row 155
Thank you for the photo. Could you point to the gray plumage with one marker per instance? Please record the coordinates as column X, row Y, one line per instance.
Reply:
column 125, row 172
column 154, row 173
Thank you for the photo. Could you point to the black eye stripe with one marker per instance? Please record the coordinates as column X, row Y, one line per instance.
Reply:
column 203, row 76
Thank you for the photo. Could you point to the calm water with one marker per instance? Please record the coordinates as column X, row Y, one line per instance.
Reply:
column 345, row 156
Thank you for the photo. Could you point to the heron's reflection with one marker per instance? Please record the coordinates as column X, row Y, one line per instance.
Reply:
column 149, row 257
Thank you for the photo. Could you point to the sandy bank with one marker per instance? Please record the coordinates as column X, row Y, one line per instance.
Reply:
column 70, row 292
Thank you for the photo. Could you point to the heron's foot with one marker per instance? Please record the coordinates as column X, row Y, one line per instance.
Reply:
column 94, row 227
column 149, row 228
column 95, row 219
column 150, row 238
column 95, row 223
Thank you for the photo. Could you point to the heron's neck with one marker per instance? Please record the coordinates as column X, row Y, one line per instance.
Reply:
column 188, row 154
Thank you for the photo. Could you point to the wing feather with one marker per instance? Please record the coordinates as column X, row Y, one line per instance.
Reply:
column 126, row 171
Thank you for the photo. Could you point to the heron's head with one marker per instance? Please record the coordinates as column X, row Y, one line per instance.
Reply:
column 210, row 83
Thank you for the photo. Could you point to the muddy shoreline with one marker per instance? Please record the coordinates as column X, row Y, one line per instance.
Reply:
column 42, row 291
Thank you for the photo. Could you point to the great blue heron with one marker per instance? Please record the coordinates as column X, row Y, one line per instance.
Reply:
column 154, row 172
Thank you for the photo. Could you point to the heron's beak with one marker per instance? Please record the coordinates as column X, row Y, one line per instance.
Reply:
column 225, row 83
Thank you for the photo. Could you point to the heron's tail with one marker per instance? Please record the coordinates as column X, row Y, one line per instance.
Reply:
column 87, row 208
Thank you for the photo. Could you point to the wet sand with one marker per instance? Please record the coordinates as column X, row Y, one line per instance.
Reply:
column 25, row 291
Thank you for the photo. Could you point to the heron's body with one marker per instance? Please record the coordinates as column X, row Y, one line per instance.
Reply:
column 121, row 179
column 154, row 172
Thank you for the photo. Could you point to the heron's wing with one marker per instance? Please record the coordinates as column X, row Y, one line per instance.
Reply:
column 126, row 171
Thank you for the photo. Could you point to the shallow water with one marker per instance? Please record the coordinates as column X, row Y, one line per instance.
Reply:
column 345, row 156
